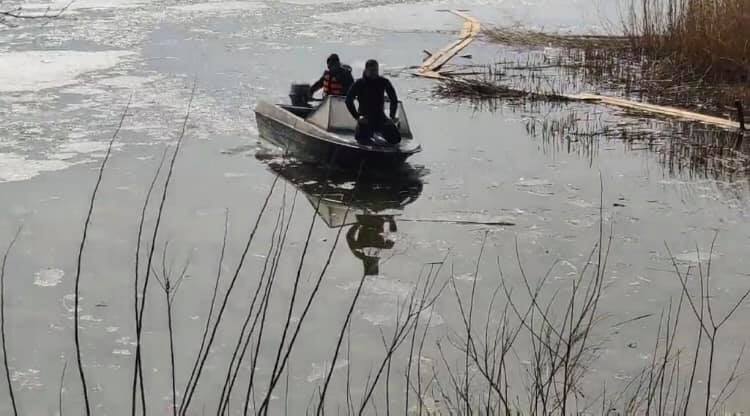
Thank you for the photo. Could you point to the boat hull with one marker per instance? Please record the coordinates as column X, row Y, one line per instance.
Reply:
column 308, row 147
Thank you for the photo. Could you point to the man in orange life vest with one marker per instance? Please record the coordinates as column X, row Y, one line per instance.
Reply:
column 336, row 80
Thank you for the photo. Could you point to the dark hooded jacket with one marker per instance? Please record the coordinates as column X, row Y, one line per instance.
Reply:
column 370, row 94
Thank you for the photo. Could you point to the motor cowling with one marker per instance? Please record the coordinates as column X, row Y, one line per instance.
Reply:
column 299, row 94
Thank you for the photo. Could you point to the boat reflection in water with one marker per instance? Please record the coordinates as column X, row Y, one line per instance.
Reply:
column 369, row 206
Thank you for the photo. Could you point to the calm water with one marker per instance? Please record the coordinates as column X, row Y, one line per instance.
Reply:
column 63, row 88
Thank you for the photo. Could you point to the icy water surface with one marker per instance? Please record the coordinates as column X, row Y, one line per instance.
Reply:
column 64, row 87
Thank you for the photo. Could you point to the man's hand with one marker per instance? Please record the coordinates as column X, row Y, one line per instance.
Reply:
column 362, row 120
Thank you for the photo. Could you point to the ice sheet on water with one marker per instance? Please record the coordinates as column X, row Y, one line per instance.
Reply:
column 14, row 167
column 431, row 317
column 569, row 16
column 48, row 277
column 52, row 69
column 27, row 379
column 380, row 319
column 535, row 186
column 125, row 81
column 466, row 277
column 314, row 2
column 383, row 298
column 232, row 175
column 84, row 90
column 221, row 6
column 60, row 130
column 319, row 370
column 582, row 222
column 382, row 286
column 84, row 146
column 85, row 4
column 404, row 17
column 581, row 203
column 696, row 257
column 385, row 314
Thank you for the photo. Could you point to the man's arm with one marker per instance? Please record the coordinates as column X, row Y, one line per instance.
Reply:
column 317, row 85
column 350, row 96
column 392, row 97
column 348, row 80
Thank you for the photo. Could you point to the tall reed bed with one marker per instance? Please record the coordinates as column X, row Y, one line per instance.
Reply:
column 693, row 39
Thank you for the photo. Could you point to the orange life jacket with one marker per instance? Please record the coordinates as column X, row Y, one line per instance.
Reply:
column 332, row 85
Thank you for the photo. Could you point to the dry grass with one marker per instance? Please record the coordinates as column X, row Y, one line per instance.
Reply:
column 687, row 53
column 703, row 40
column 493, row 83
column 682, row 149
column 690, row 40
column 523, row 37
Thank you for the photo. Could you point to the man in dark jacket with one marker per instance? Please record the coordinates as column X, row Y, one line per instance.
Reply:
column 336, row 80
column 369, row 92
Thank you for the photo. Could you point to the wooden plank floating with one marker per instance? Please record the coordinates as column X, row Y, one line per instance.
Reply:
column 431, row 68
column 656, row 109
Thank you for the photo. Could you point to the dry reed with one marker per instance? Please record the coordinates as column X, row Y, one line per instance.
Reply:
column 704, row 40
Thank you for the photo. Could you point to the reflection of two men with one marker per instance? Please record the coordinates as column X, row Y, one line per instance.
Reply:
column 368, row 237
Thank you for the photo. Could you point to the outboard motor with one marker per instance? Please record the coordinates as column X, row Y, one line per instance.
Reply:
column 300, row 95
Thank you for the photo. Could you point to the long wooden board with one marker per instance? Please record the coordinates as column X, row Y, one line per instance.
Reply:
column 430, row 68
column 657, row 109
